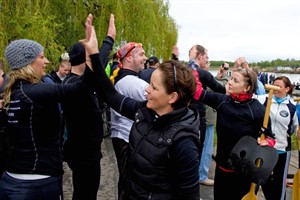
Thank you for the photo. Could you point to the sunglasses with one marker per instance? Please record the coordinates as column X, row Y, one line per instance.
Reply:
column 248, row 76
column 175, row 79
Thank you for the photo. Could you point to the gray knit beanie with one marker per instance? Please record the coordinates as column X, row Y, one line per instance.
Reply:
column 20, row 53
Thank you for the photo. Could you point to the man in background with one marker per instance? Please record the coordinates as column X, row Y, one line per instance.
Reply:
column 126, row 81
column 146, row 73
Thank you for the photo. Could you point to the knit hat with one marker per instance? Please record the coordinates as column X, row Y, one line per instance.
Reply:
column 153, row 60
column 77, row 54
column 20, row 53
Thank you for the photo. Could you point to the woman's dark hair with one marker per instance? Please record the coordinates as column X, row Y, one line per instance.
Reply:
column 250, row 77
column 178, row 78
column 286, row 82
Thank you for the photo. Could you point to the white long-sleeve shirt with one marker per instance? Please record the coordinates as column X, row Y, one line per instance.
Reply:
column 133, row 87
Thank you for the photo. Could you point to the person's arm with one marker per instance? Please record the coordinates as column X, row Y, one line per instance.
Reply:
column 222, row 73
column 124, row 105
column 185, row 163
column 105, row 49
column 120, row 103
column 211, row 99
column 108, row 42
column 238, row 63
column 43, row 93
column 175, row 53
column 208, row 80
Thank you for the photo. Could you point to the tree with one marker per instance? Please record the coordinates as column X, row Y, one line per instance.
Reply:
column 59, row 24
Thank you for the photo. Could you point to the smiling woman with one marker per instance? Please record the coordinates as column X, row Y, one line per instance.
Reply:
column 35, row 157
column 236, row 111
column 163, row 125
column 283, row 110
column 166, row 121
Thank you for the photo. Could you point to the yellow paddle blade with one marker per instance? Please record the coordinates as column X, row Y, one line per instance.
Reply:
column 251, row 195
column 296, row 186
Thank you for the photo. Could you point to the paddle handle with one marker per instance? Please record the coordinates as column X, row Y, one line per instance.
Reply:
column 252, row 188
column 266, row 120
column 297, row 99
column 268, row 107
column 271, row 89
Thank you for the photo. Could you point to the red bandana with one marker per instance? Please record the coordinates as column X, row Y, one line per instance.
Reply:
column 241, row 97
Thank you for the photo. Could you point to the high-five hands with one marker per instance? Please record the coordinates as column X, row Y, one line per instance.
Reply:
column 90, row 42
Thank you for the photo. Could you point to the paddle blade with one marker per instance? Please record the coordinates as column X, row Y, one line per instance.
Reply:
column 296, row 186
column 250, row 196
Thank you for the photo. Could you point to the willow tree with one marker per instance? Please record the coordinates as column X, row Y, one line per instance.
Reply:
column 28, row 19
column 59, row 24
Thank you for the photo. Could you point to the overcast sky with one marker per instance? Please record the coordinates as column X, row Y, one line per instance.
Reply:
column 260, row 30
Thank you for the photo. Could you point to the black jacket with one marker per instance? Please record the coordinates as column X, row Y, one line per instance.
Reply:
column 163, row 157
column 83, row 117
column 164, row 151
column 34, row 126
column 234, row 120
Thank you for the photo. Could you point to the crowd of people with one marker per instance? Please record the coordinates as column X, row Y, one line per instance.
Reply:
column 163, row 118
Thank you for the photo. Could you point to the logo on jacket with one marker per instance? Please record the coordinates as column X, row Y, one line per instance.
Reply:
column 284, row 113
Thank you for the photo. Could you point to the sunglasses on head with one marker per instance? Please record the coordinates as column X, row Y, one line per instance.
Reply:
column 139, row 45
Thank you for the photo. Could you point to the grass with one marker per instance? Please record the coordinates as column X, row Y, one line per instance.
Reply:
column 294, row 142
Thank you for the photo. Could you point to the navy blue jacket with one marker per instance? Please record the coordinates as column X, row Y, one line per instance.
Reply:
column 83, row 117
column 234, row 120
column 164, row 150
column 34, row 125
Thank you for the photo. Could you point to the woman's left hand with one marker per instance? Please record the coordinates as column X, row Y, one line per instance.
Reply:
column 90, row 42
column 262, row 142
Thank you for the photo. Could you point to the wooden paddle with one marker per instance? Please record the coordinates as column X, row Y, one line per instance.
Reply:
column 296, row 180
column 251, row 194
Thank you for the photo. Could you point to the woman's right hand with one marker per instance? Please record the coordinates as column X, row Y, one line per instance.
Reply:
column 90, row 42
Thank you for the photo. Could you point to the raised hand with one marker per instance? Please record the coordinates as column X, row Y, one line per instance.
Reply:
column 111, row 27
column 90, row 42
column 175, row 51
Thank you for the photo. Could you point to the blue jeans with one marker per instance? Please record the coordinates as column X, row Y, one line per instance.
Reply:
column 45, row 189
column 206, row 152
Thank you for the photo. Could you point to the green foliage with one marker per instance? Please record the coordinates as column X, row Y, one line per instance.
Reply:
column 269, row 65
column 59, row 24
column 294, row 142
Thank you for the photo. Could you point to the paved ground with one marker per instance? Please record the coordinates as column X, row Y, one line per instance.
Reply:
column 107, row 190
column 109, row 175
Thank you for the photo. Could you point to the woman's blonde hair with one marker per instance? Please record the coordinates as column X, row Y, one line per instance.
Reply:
column 25, row 73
